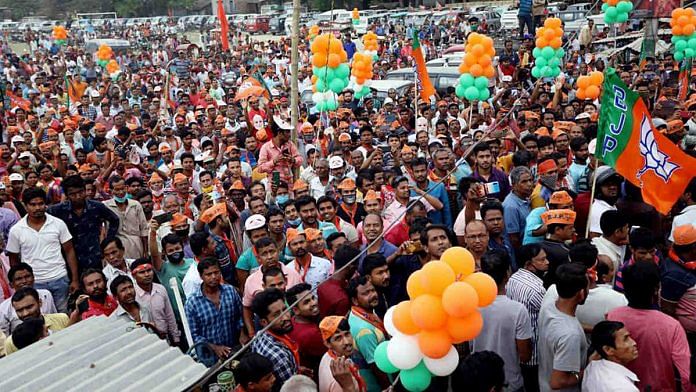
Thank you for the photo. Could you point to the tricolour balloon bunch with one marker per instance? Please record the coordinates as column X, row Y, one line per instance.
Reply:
column 476, row 68
column 60, row 35
column 113, row 69
column 355, row 16
column 330, row 71
column 313, row 32
column 104, row 55
column 370, row 45
column 548, row 51
column 443, row 310
column 683, row 24
column 589, row 86
column 361, row 72
column 616, row 11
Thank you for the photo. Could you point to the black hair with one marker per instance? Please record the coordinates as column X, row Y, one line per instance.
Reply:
column 18, row 267
column 90, row 271
column 544, row 141
column 481, row 371
column 264, row 299
column 252, row 368
column 273, row 271
column 420, row 161
column 577, row 142
column 333, row 237
column 496, row 263
column 324, row 199
column 263, row 242
column 186, row 154
column 28, row 332
column 372, row 261
column 570, row 279
column 527, row 252
column 611, row 221
column 353, row 285
column 273, row 211
column 603, row 334
column 119, row 280
column 464, row 185
column 603, row 268
column 24, row 292
column 33, row 193
column 115, row 179
column 74, row 182
column 482, row 146
column 521, row 158
column 171, row 239
column 364, row 174
column 253, row 184
column 490, row 205
column 344, row 255
column 107, row 241
column 304, row 200
column 641, row 281
column 140, row 261
column 207, row 263
column 530, row 137
column 428, row 229
column 198, row 241
column 142, row 193
column 134, row 179
column 293, row 293
column 583, row 252
column 641, row 238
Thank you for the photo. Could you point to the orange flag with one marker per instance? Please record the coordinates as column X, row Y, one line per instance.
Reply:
column 224, row 27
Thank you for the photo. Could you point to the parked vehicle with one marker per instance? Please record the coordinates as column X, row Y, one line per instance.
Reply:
column 441, row 77
column 509, row 21
column 257, row 24
column 492, row 20
column 448, row 60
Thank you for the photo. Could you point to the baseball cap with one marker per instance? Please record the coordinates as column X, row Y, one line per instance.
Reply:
column 17, row 139
column 658, row 122
column 347, row 184
column 388, row 101
column 583, row 116
column 16, row 177
column 562, row 217
column 335, row 162
column 606, row 173
column 25, row 154
column 560, row 198
column 254, row 222
column 684, row 234
column 329, row 325
column 213, row 212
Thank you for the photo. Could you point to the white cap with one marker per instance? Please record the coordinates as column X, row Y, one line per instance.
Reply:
column 658, row 122
column 95, row 94
column 25, row 154
column 335, row 162
column 17, row 139
column 310, row 147
column 507, row 78
column 387, row 100
column 254, row 222
column 16, row 177
column 583, row 116
column 158, row 88
column 592, row 145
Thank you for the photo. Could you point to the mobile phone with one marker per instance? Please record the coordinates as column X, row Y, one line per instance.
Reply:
column 491, row 187
column 83, row 306
column 385, row 149
column 162, row 218
column 276, row 178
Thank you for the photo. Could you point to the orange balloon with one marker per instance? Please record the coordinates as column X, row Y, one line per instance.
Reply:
column 477, row 50
column 489, row 72
column 484, row 61
column 414, row 285
column 464, row 328
column 583, row 82
column 596, row 78
column 427, row 312
column 540, row 32
column 612, row 2
column 437, row 275
column 580, row 94
column 403, row 320
column 360, row 80
column 487, row 42
column 334, row 60
column 474, row 38
column 319, row 59
column 683, row 20
column 460, row 260
column 463, row 68
column 314, row 79
column 677, row 30
column 592, row 92
column 692, row 19
column 343, row 56
column 459, row 299
column 556, row 42
column 549, row 34
column 541, row 42
column 553, row 22
column 688, row 29
column 485, row 287
column 434, row 344
column 470, row 59
column 559, row 31
column 476, row 70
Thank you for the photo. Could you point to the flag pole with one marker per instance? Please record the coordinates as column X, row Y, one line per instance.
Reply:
column 592, row 195
column 415, row 88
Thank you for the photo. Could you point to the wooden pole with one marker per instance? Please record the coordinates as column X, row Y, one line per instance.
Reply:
column 294, row 58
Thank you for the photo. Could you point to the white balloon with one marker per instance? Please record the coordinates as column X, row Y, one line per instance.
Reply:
column 316, row 97
column 403, row 351
column 442, row 366
column 389, row 321
column 353, row 79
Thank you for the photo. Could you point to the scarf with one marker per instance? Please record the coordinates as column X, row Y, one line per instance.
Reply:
column 370, row 317
column 289, row 344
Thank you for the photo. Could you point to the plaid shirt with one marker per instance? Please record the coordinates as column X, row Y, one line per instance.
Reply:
column 284, row 365
column 212, row 325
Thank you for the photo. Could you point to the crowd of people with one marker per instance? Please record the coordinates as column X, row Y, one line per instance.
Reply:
column 163, row 198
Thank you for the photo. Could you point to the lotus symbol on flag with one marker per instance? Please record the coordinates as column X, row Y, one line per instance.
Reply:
column 655, row 159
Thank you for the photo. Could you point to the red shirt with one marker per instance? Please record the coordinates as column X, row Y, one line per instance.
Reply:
column 333, row 299
column 398, row 234
column 308, row 338
column 97, row 309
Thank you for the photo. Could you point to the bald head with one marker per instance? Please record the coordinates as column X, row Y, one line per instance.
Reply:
column 476, row 237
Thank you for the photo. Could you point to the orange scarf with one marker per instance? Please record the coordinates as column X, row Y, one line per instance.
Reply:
column 290, row 344
column 303, row 274
column 370, row 317
column 362, row 386
column 351, row 213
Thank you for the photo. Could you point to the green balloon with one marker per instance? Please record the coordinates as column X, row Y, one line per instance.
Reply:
column 555, row 71
column 611, row 13
column 321, row 85
column 555, row 62
column 541, row 62
column 382, row 360
column 337, row 85
column 679, row 56
column 546, row 72
column 625, row 6
column 342, row 71
column 622, row 17
column 676, row 38
column 416, row 379
column 471, row 93
column 331, row 105
column 608, row 19
column 681, row 45
column 536, row 72
column 321, row 106
column 691, row 43
column 547, row 52
column 481, row 82
column 320, row 72
column 484, row 94
column 604, row 7
column 689, row 53
column 536, row 52
column 460, row 90
column 560, row 53
column 466, row 80
column 330, row 74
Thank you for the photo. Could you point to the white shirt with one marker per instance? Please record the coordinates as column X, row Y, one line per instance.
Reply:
column 460, row 222
column 596, row 210
column 607, row 248
column 607, row 376
column 319, row 270
column 41, row 249
column 192, row 281
column 687, row 215
column 112, row 273
column 8, row 317
column 316, row 188
column 600, row 300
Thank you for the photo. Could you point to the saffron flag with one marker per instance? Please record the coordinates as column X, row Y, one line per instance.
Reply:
column 684, row 76
column 17, row 101
column 628, row 142
column 427, row 90
column 224, row 27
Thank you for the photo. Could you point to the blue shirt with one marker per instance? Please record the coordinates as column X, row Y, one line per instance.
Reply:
column 501, row 178
column 210, row 324
column 533, row 222
column 506, row 247
column 386, row 249
column 85, row 229
column 443, row 216
column 515, row 211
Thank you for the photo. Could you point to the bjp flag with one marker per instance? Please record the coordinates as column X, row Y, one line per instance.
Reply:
column 627, row 141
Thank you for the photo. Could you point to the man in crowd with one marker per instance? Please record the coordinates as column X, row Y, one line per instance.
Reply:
column 305, row 324
column 22, row 275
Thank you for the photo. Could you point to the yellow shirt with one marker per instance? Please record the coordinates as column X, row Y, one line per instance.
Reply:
column 536, row 200
column 54, row 322
column 505, row 163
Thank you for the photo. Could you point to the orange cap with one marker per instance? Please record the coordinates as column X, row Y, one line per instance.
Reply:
column 560, row 198
column 154, row 177
column 344, row 137
column 85, row 168
column 347, row 184
column 312, row 234
column 529, row 115
column 238, row 186
column 372, row 195
column 546, row 166
column 46, row 145
column 406, row 149
column 684, row 234
column 99, row 127
column 542, row 131
column 291, row 234
column 674, row 126
column 299, row 185
column 178, row 219
column 562, row 217
column 213, row 212
column 329, row 325
column 557, row 133
column 179, row 178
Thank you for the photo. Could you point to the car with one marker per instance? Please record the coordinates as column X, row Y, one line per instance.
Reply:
column 573, row 21
column 441, row 77
column 509, row 21
column 492, row 20
column 448, row 60
column 379, row 90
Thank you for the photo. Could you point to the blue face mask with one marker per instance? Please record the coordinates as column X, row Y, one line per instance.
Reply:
column 129, row 196
column 282, row 199
column 120, row 200
column 294, row 222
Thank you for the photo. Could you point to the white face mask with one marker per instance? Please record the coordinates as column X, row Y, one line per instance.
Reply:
column 258, row 122
column 421, row 124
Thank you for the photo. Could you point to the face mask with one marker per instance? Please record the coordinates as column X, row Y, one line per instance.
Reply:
column 120, row 200
column 157, row 193
column 282, row 199
column 549, row 181
column 350, row 199
column 294, row 222
column 308, row 139
column 182, row 233
column 129, row 196
column 207, row 189
column 176, row 257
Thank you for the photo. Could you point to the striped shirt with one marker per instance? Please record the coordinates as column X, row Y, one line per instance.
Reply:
column 528, row 289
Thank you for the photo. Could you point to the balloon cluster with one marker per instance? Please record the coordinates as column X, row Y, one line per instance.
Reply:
column 616, row 11
column 548, row 51
column 683, row 24
column 589, row 86
column 370, row 45
column 313, row 32
column 443, row 310
column 476, row 68
column 60, row 35
column 355, row 16
column 361, row 72
column 113, row 69
column 104, row 54
column 330, row 71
